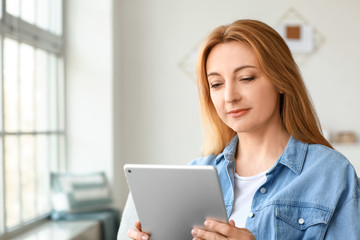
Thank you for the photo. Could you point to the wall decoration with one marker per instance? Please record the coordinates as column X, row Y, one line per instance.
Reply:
column 302, row 37
column 298, row 37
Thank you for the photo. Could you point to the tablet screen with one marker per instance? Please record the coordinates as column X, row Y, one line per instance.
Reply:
column 170, row 200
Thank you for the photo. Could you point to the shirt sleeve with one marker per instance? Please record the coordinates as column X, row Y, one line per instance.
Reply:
column 345, row 222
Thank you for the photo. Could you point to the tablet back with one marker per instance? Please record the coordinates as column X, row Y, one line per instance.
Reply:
column 170, row 199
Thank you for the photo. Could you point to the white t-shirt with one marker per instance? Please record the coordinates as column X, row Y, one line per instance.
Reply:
column 244, row 191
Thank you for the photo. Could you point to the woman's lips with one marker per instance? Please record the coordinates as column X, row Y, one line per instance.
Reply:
column 238, row 112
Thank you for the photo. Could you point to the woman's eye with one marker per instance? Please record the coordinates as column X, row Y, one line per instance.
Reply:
column 215, row 85
column 248, row 78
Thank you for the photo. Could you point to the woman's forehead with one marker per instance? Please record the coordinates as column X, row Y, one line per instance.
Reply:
column 231, row 55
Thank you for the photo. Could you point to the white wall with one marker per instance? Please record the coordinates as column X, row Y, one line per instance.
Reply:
column 89, row 73
column 130, row 102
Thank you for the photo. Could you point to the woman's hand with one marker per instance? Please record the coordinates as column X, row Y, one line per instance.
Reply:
column 218, row 231
column 136, row 233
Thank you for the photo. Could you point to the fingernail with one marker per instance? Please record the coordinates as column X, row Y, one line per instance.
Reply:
column 194, row 232
column 145, row 237
column 206, row 223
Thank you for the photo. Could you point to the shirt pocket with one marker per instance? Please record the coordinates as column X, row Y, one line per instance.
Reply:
column 301, row 222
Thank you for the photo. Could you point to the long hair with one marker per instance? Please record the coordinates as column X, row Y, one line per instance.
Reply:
column 296, row 110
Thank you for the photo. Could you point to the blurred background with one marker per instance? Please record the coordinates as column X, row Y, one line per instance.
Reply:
column 90, row 85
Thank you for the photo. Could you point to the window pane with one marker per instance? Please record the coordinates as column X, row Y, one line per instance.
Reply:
column 42, row 176
column 53, row 93
column 28, row 11
column 62, row 153
column 12, row 181
column 42, row 12
column 13, row 7
column 61, row 93
column 56, row 16
column 27, row 121
column 11, row 97
column 41, row 95
column 28, row 187
column 2, row 189
column 1, row 107
column 53, row 155
column 32, row 103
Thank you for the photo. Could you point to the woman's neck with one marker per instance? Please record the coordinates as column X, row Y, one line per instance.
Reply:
column 258, row 152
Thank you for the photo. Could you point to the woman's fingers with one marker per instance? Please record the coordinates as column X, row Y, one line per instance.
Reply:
column 220, row 227
column 136, row 234
column 232, row 223
column 204, row 234
column 218, row 230
column 138, row 225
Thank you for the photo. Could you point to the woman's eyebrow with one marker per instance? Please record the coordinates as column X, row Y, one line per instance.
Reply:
column 236, row 70
column 213, row 74
column 242, row 67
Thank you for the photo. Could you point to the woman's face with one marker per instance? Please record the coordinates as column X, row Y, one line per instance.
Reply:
column 243, row 96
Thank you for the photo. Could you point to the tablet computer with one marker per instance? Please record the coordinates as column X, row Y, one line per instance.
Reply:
column 170, row 200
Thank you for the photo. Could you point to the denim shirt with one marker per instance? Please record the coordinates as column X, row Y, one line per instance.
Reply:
column 311, row 192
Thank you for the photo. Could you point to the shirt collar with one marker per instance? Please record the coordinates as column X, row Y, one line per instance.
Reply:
column 229, row 151
column 293, row 156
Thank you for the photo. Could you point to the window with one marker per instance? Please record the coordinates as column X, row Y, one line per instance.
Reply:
column 32, row 107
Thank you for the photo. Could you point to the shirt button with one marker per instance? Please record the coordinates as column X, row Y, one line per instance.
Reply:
column 263, row 190
column 251, row 215
column 301, row 221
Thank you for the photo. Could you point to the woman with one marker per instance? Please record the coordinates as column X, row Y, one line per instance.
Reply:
column 280, row 178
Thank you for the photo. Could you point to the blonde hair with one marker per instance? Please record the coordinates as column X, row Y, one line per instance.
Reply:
column 275, row 59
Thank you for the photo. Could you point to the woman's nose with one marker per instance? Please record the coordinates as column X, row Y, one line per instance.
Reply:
column 232, row 94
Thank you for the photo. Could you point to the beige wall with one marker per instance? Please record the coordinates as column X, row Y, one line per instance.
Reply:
column 130, row 102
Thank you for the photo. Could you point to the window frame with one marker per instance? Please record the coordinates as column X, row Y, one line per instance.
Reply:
column 23, row 32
